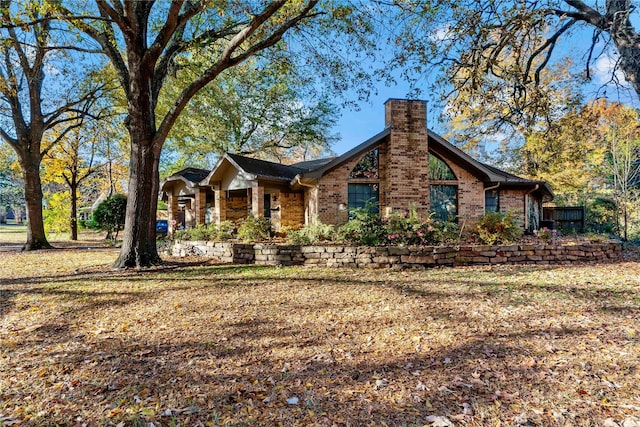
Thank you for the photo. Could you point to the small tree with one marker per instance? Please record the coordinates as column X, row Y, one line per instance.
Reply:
column 110, row 214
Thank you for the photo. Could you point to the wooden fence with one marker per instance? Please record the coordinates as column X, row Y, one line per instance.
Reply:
column 566, row 218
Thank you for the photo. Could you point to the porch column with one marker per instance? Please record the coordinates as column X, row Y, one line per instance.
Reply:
column 201, row 205
column 220, row 205
column 257, row 201
column 172, row 207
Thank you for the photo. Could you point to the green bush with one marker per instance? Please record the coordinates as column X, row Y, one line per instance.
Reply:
column 254, row 229
column 202, row 232
column 110, row 214
column 496, row 227
column 602, row 215
column 211, row 232
column 364, row 228
column 181, row 235
column 312, row 233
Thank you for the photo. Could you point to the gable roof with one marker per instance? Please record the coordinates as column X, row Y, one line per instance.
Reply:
column 355, row 151
column 190, row 176
column 313, row 164
column 490, row 175
column 263, row 168
column 254, row 169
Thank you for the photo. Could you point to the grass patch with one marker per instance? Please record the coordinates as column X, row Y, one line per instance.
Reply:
column 13, row 233
column 194, row 343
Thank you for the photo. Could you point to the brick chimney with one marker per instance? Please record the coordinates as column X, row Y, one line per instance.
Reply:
column 407, row 183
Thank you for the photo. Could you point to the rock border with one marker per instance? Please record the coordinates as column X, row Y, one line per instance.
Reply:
column 396, row 256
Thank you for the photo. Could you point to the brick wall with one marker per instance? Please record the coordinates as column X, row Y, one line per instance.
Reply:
column 407, row 159
column 287, row 210
column 332, row 192
column 237, row 208
column 470, row 193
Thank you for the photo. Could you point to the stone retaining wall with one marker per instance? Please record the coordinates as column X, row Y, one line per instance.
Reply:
column 396, row 257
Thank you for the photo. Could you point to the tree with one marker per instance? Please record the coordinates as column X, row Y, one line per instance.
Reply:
column 257, row 109
column 569, row 154
column 110, row 215
column 512, row 42
column 623, row 140
column 11, row 185
column 588, row 155
column 33, row 103
column 143, row 41
column 72, row 161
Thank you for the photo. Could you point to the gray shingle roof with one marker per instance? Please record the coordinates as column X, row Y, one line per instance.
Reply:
column 265, row 169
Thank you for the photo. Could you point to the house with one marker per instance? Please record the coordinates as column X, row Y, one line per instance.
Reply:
column 405, row 166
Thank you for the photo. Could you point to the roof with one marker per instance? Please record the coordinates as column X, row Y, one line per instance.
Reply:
column 263, row 168
column 313, row 164
column 489, row 174
column 190, row 176
column 253, row 169
column 357, row 150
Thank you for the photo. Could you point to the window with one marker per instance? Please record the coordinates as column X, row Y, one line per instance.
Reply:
column 492, row 201
column 439, row 170
column 444, row 201
column 363, row 196
column 367, row 167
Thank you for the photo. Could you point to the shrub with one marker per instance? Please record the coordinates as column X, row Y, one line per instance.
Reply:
column 545, row 235
column 447, row 232
column 110, row 214
column 254, row 229
column 402, row 228
column 497, row 227
column 201, row 232
column 312, row 233
column 215, row 232
column 364, row 228
column 181, row 235
column 225, row 230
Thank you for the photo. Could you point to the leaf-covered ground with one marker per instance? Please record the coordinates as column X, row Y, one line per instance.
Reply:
column 195, row 344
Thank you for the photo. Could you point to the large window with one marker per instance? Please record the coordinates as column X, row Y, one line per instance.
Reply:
column 363, row 193
column 444, row 201
column 367, row 167
column 492, row 201
column 439, row 170
column 363, row 196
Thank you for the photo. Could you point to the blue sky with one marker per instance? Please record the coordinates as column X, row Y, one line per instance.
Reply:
column 355, row 127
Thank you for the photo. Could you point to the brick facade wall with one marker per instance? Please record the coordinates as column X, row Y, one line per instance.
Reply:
column 407, row 165
column 403, row 170
column 237, row 208
column 512, row 200
column 287, row 210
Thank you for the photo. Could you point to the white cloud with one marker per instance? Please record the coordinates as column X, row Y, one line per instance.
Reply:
column 603, row 70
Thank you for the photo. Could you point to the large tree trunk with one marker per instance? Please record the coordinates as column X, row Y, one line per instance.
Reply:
column 73, row 219
column 36, row 238
column 626, row 40
column 139, row 240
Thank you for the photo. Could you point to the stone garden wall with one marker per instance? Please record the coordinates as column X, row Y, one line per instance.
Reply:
column 396, row 257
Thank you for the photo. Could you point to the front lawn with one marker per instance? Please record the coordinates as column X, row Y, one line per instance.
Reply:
column 192, row 343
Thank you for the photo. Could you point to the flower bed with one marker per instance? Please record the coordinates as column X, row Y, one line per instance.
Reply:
column 397, row 256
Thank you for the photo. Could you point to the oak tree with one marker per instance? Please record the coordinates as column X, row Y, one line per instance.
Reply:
column 143, row 41
column 37, row 97
column 478, row 44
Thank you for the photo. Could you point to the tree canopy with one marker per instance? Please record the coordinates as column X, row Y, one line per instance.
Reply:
column 260, row 108
column 476, row 45
column 41, row 98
